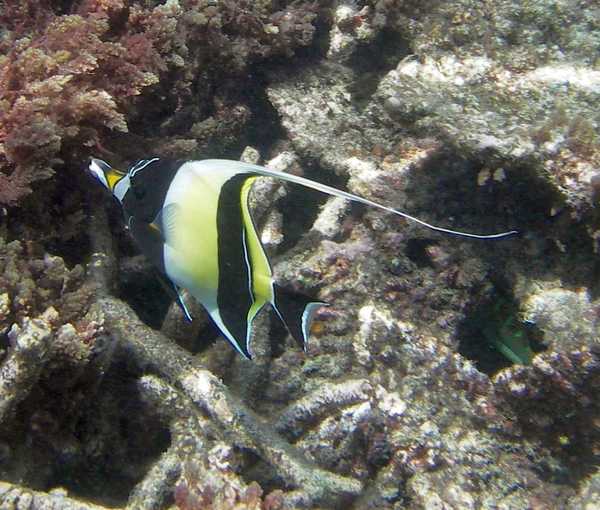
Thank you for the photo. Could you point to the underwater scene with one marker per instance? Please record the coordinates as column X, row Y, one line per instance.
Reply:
column 292, row 254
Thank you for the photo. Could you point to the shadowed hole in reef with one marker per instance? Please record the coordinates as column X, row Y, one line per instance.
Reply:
column 257, row 470
column 372, row 61
column 277, row 336
column 416, row 251
column 52, row 219
column 206, row 338
column 301, row 205
column 445, row 193
column 494, row 337
column 147, row 297
column 264, row 126
column 123, row 464
column 138, row 282
column 4, row 343
column 71, row 432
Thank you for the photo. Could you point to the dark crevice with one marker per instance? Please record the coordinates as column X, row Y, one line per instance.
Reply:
column 494, row 337
column 147, row 297
column 371, row 62
column 207, row 337
column 265, row 126
column 300, row 207
column 305, row 55
column 66, row 413
column 112, row 480
column 446, row 193
column 63, row 7
column 4, row 343
column 416, row 251
column 55, row 221
column 321, row 39
column 260, row 471
column 446, row 188
column 277, row 337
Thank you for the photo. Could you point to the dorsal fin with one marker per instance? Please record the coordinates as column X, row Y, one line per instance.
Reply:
column 260, row 170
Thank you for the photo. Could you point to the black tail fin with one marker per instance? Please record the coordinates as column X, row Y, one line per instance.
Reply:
column 296, row 311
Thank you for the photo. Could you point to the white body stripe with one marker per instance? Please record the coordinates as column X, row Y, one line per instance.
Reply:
column 248, row 266
column 140, row 165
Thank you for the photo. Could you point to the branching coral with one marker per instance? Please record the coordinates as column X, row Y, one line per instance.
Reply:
column 56, row 347
column 241, row 426
column 199, row 407
column 53, row 347
column 556, row 400
column 28, row 356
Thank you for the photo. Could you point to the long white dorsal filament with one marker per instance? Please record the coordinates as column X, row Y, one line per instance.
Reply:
column 355, row 198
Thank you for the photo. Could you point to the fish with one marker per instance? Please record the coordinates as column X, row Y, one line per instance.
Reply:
column 192, row 220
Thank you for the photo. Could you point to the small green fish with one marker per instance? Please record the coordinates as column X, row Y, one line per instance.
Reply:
column 192, row 220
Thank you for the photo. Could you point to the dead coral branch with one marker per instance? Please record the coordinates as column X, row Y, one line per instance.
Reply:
column 20, row 372
column 15, row 497
column 243, row 428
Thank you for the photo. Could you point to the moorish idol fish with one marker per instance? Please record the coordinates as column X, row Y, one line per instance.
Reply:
column 192, row 220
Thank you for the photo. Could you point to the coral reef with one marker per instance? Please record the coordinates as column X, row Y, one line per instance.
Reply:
column 444, row 374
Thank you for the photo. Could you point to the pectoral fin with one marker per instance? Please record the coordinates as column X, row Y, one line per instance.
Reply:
column 150, row 240
column 166, row 221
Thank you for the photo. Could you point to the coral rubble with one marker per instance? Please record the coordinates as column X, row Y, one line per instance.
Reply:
column 474, row 115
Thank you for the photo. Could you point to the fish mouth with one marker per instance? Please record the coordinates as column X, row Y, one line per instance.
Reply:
column 96, row 165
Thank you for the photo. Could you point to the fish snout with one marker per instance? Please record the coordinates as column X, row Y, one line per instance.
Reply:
column 100, row 170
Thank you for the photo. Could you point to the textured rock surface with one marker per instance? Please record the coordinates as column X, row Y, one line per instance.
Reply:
column 479, row 116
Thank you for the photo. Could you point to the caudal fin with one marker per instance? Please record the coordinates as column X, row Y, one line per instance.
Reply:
column 296, row 311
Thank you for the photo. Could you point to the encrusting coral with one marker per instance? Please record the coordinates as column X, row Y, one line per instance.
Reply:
column 22, row 498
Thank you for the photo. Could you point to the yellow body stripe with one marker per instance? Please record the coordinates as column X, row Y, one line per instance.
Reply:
column 262, row 286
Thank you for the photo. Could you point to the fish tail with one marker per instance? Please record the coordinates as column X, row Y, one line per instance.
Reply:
column 296, row 311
